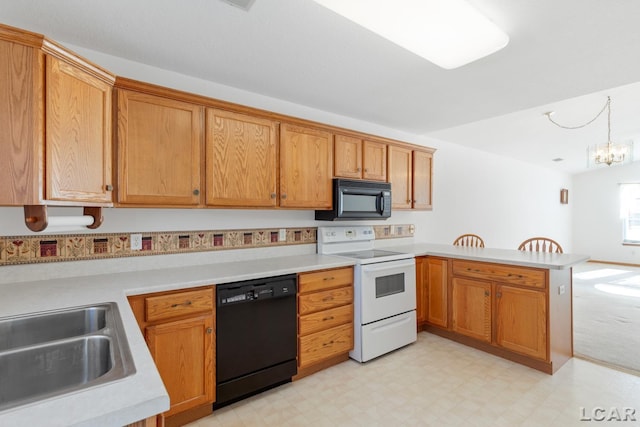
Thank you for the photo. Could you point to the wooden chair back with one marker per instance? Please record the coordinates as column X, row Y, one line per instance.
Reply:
column 469, row 240
column 540, row 244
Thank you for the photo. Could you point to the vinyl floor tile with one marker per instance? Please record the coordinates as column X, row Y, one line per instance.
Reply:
column 437, row 382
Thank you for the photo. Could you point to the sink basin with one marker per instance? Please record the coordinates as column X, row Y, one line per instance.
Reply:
column 34, row 329
column 45, row 355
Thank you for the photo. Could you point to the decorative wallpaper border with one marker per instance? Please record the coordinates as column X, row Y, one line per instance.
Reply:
column 75, row 247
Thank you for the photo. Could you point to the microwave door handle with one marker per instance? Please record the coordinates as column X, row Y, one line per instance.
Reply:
column 382, row 204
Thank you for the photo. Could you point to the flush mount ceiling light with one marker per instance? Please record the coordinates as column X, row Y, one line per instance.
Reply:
column 242, row 4
column 607, row 153
column 449, row 33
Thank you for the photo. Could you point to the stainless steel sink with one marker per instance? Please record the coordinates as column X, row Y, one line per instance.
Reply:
column 48, row 354
column 24, row 331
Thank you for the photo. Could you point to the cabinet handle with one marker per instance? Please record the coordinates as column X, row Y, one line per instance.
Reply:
column 209, row 330
column 327, row 343
column 329, row 278
column 109, row 187
column 327, row 318
column 273, row 195
column 498, row 294
column 185, row 304
column 196, row 192
column 284, row 195
column 325, row 299
column 487, row 293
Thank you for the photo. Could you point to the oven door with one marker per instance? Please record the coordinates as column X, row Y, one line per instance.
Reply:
column 386, row 289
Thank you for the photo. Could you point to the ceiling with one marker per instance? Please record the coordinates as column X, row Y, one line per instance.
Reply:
column 565, row 56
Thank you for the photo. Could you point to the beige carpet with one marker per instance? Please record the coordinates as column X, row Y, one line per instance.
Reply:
column 606, row 314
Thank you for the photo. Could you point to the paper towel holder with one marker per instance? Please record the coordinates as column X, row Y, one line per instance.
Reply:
column 36, row 218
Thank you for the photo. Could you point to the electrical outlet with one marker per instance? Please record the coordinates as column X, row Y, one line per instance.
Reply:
column 136, row 242
column 282, row 235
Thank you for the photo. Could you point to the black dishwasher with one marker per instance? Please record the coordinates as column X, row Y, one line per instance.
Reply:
column 256, row 342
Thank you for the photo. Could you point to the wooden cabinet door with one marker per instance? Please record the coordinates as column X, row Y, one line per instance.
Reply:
column 400, row 177
column 240, row 160
column 184, row 354
column 521, row 320
column 437, row 292
column 422, row 170
column 78, row 135
column 159, row 150
column 21, row 124
column 422, row 278
column 471, row 308
column 347, row 154
column 305, row 167
column 374, row 159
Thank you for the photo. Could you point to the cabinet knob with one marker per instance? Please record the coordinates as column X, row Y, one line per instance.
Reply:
column 209, row 330
column 498, row 294
column 487, row 293
column 109, row 187
column 366, row 170
column 273, row 195
column 196, row 192
column 284, row 195
column 358, row 170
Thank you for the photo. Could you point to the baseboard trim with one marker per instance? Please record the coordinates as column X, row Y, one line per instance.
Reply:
column 607, row 364
column 628, row 264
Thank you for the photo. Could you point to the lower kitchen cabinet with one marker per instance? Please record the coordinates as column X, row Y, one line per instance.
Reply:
column 471, row 308
column 325, row 319
column 523, row 314
column 179, row 328
column 432, row 292
column 521, row 320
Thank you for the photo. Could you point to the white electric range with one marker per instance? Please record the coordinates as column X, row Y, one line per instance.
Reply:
column 384, row 290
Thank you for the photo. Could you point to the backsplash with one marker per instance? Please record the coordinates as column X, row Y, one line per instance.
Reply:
column 75, row 247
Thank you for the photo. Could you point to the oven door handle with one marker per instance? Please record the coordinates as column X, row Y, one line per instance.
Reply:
column 387, row 265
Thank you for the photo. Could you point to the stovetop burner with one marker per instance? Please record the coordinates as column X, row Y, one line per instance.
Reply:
column 370, row 254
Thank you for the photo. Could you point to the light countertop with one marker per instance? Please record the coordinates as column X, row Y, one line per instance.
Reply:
column 142, row 394
column 545, row 260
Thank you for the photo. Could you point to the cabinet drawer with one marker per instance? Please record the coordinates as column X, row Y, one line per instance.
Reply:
column 317, row 301
column 310, row 282
column 500, row 273
column 325, row 344
column 178, row 304
column 326, row 319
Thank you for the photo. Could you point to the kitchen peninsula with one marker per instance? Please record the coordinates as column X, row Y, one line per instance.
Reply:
column 514, row 304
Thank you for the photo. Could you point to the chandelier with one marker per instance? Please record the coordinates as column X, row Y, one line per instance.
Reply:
column 607, row 153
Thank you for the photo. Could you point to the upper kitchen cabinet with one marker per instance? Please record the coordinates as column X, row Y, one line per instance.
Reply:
column 400, row 177
column 410, row 175
column 241, row 160
column 305, row 167
column 55, row 124
column 360, row 159
column 422, row 175
column 159, row 150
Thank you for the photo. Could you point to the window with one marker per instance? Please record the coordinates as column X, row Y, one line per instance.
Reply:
column 630, row 213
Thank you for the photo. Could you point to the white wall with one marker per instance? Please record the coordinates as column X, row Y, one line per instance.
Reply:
column 597, row 228
column 503, row 200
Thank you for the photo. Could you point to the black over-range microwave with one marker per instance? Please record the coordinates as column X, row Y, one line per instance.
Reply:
column 354, row 200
